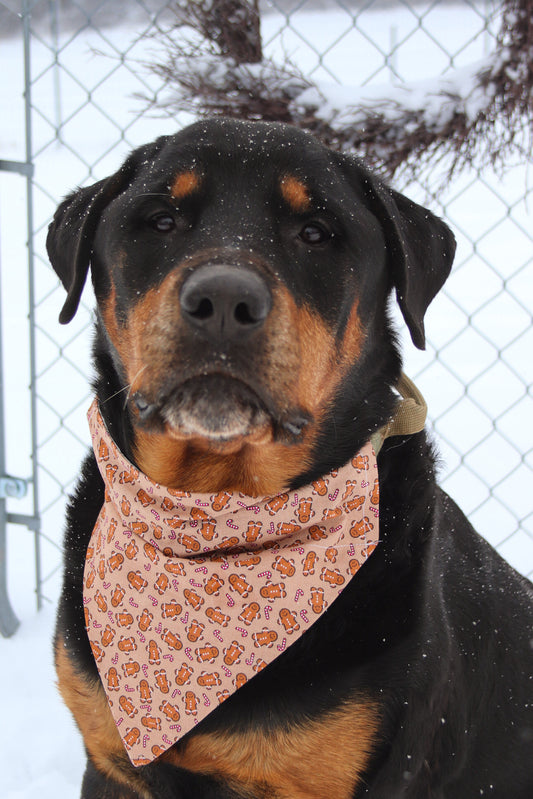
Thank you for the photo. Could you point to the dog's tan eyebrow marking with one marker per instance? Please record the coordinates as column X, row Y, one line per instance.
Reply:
column 185, row 183
column 295, row 193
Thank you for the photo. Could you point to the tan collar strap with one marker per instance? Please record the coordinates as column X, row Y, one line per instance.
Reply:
column 188, row 596
column 409, row 416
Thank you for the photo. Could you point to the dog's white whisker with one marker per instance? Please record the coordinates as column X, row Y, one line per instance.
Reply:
column 112, row 396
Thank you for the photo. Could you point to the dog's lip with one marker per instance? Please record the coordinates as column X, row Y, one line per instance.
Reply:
column 217, row 407
column 213, row 406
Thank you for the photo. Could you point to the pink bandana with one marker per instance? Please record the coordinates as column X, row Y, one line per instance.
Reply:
column 187, row 596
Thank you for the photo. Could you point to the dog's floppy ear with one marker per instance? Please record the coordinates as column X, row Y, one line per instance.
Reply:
column 421, row 247
column 71, row 233
column 70, row 237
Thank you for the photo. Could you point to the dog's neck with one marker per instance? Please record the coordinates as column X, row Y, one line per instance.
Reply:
column 257, row 468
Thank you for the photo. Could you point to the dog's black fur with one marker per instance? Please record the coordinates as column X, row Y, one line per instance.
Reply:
column 435, row 631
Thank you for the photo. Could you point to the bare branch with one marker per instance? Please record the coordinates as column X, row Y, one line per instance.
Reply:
column 476, row 115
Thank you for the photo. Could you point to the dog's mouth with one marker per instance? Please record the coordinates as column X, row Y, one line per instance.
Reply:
column 216, row 408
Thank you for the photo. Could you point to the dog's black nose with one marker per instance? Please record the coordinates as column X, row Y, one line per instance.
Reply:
column 225, row 301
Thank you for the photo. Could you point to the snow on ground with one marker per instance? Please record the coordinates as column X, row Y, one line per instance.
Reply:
column 47, row 762
column 41, row 751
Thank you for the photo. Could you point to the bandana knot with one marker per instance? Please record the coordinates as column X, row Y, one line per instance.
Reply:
column 187, row 596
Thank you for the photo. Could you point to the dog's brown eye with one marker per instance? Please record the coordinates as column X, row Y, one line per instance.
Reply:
column 314, row 234
column 163, row 223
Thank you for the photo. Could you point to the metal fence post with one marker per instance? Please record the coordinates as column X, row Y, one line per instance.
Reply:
column 35, row 521
column 13, row 487
column 8, row 619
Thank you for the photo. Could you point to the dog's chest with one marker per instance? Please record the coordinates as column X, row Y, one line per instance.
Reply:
column 325, row 756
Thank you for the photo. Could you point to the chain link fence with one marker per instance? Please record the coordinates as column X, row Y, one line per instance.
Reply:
column 71, row 114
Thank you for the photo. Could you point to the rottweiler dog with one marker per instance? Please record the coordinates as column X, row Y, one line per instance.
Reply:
column 242, row 274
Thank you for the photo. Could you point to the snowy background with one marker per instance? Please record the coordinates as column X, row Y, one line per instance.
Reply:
column 476, row 373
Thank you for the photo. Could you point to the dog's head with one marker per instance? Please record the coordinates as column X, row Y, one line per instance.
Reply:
column 242, row 272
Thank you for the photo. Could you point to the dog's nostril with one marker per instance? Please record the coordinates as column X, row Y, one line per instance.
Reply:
column 243, row 314
column 204, row 310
